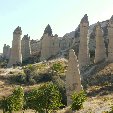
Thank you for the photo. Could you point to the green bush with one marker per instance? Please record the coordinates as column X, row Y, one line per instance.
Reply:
column 20, row 78
column 13, row 102
column 57, row 68
column 32, row 81
column 29, row 67
column 61, row 86
column 77, row 100
column 46, row 98
column 41, row 77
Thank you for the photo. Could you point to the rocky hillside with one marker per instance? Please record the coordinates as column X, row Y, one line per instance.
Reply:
column 98, row 83
column 97, row 80
column 91, row 35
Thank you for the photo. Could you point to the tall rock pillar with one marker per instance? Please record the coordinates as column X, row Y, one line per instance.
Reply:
column 110, row 36
column 83, row 55
column 73, row 79
column 6, row 51
column 100, row 51
column 16, row 56
column 26, row 48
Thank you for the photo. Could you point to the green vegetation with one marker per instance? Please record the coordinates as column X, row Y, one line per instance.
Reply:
column 3, row 63
column 77, row 100
column 45, row 99
column 57, row 68
column 13, row 102
column 38, row 73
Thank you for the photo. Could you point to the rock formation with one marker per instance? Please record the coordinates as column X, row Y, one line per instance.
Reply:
column 50, row 46
column 16, row 56
column 73, row 79
column 6, row 51
column 26, row 48
column 83, row 55
column 82, row 40
column 35, row 47
column 45, row 47
column 48, row 30
column 110, row 36
column 65, row 43
column 100, row 52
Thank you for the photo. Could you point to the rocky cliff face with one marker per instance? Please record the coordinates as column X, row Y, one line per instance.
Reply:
column 91, row 35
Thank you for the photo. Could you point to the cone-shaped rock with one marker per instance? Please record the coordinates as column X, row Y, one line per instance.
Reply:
column 48, row 30
column 83, row 55
column 100, row 51
column 73, row 79
column 110, row 36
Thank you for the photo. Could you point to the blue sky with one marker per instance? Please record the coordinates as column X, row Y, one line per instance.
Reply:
column 63, row 16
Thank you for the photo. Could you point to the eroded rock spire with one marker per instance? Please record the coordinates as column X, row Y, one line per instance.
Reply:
column 100, row 51
column 73, row 79
column 83, row 55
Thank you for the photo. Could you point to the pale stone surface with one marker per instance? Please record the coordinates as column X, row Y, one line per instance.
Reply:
column 65, row 42
column 49, row 46
column 35, row 47
column 26, row 48
column 45, row 47
column 73, row 79
column 83, row 55
column 110, row 36
column 100, row 51
column 6, row 51
column 16, row 56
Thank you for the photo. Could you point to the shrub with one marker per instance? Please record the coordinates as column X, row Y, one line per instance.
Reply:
column 11, row 72
column 77, row 100
column 61, row 86
column 30, row 67
column 46, row 98
column 57, row 68
column 13, row 102
column 3, row 64
column 41, row 77
column 19, row 78
column 32, row 81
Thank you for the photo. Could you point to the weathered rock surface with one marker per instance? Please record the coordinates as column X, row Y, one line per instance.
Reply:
column 73, row 79
column 26, row 48
column 91, row 35
column 16, row 56
column 110, row 36
column 83, row 55
column 100, row 52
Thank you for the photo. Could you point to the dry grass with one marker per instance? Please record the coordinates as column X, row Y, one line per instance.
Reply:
column 100, row 98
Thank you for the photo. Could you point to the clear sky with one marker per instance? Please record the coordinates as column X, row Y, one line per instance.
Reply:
column 63, row 16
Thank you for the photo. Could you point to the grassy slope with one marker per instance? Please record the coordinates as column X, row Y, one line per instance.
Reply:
column 100, row 87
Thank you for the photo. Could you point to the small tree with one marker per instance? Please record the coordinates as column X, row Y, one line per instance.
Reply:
column 46, row 98
column 77, row 100
column 28, row 70
column 13, row 102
